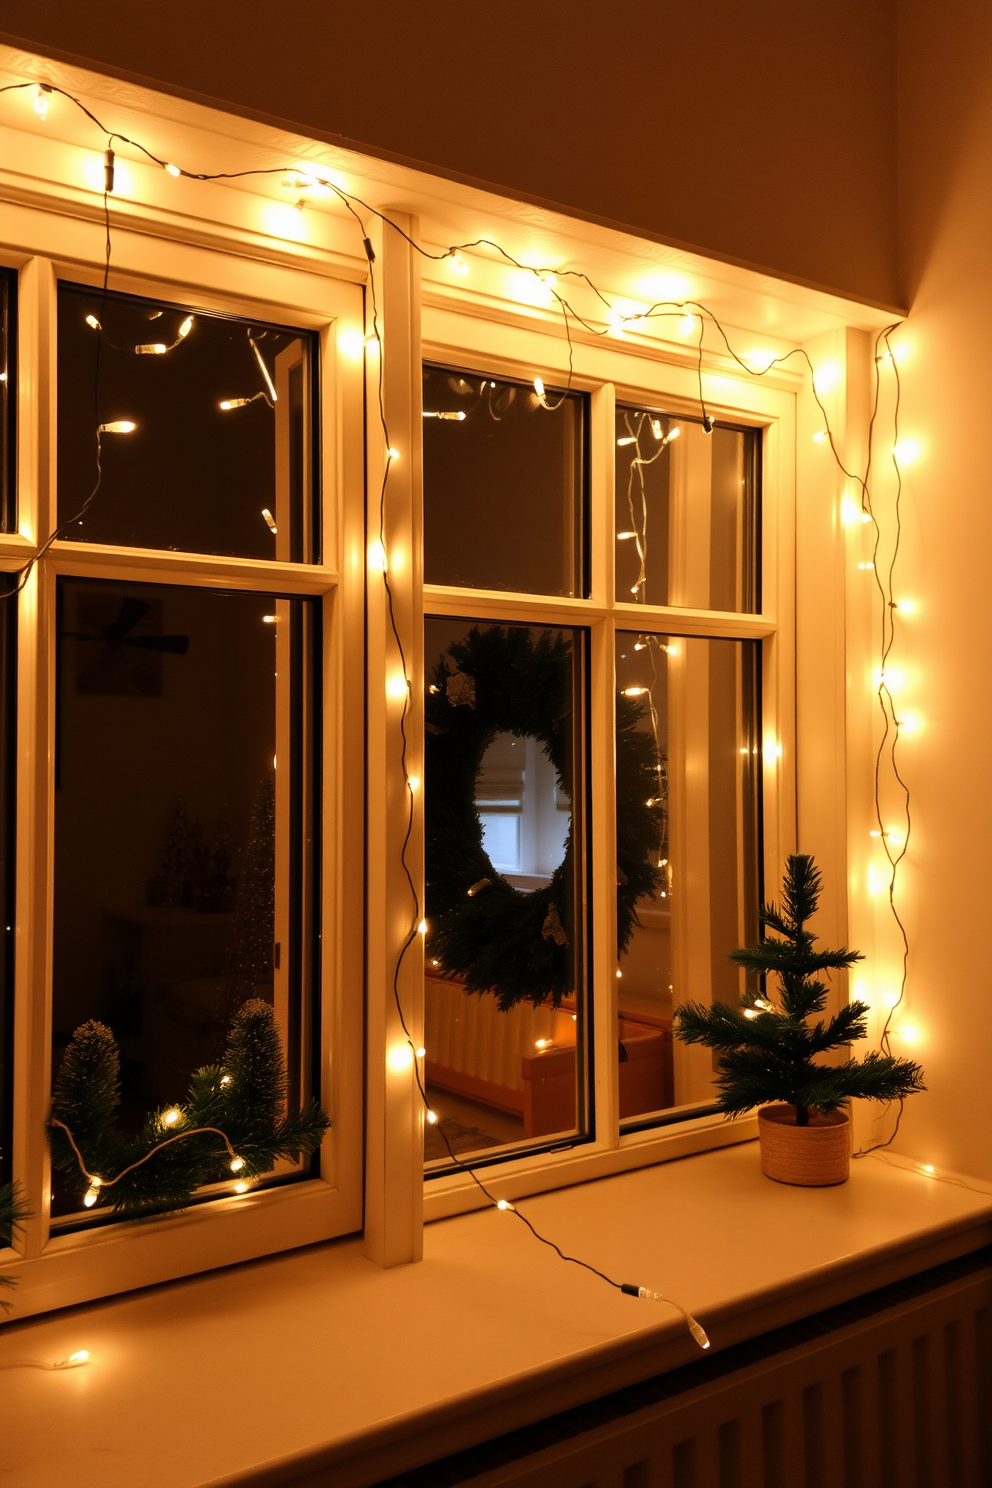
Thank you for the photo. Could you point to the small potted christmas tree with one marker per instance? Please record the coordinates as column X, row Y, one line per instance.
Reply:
column 769, row 1050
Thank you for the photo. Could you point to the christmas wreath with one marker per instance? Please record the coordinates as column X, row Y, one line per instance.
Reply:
column 514, row 944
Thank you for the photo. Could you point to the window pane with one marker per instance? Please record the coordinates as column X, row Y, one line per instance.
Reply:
column 505, row 1030
column 194, row 475
column 688, row 774
column 686, row 512
column 183, row 827
column 503, row 484
column 8, row 382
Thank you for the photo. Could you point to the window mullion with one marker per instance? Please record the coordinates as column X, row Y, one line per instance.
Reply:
column 603, row 961
column 394, row 1177
column 33, row 915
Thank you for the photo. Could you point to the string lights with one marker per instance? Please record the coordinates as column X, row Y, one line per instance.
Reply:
column 692, row 319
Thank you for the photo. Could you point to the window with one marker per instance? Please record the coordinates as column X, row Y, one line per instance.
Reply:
column 181, row 644
column 515, row 1005
column 232, row 741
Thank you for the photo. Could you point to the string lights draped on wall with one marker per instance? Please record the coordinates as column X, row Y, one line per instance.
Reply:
column 693, row 320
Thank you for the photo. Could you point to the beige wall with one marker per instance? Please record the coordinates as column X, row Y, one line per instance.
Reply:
column 760, row 132
column 946, row 233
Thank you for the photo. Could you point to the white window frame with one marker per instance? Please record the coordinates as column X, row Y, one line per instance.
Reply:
column 610, row 373
column 53, row 1269
column 239, row 246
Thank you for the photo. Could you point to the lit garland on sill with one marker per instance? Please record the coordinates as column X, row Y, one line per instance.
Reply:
column 692, row 316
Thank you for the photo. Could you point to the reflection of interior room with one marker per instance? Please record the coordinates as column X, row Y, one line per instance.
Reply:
column 167, row 729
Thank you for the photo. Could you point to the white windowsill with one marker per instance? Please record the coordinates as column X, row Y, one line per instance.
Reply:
column 269, row 1371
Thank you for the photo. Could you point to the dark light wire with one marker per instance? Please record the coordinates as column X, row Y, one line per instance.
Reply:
column 23, row 573
column 568, row 311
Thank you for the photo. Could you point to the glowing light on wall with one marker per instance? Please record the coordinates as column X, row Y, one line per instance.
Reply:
column 826, row 377
column 351, row 343
column 399, row 1058
column 907, row 451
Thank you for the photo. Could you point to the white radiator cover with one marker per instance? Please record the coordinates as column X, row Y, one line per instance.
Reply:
column 901, row 1398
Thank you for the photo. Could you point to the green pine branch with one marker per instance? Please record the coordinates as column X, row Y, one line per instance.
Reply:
column 768, row 1051
column 244, row 1098
column 13, row 1213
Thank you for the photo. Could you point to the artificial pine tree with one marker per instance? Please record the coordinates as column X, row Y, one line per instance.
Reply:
column 243, row 1098
column 768, row 1049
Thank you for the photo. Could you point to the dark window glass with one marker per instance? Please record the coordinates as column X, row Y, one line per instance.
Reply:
column 503, row 484
column 8, row 383
column 184, row 817
column 688, row 773
column 194, row 475
column 505, row 1028
column 686, row 512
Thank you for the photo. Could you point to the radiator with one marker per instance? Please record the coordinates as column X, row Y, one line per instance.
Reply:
column 890, row 1391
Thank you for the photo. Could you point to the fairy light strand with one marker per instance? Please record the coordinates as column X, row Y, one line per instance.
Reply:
column 618, row 321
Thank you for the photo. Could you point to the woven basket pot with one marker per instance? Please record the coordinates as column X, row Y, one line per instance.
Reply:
column 813, row 1156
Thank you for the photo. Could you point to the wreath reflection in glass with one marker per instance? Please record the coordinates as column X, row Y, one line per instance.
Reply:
column 499, row 939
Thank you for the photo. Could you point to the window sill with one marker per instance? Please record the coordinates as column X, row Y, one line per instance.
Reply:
column 281, row 1369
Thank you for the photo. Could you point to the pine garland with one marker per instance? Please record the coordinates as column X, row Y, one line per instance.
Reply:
column 13, row 1213
column 241, row 1100
column 513, row 944
column 768, row 1052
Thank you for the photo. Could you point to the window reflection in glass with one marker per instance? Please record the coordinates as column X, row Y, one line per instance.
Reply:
column 686, row 512
column 220, row 459
column 504, row 854
column 183, row 840
column 689, row 814
column 503, row 484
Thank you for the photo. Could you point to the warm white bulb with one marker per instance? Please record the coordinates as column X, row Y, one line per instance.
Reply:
column 929, row 1168
column 421, row 1051
column 151, row 348
column 673, row 433
column 235, row 403
column 458, row 262
column 504, row 1204
column 92, row 322
column 619, row 973
column 89, row 1198
column 906, row 451
column 269, row 619
column 397, row 686
column 185, row 328
column 225, row 1079
column 170, row 1118
column 820, row 437
column 623, row 536
column 79, row 1357
column 269, row 520
column 627, row 439
column 41, row 102
column 173, row 170
column 414, row 782
column 634, row 691
column 750, row 1012
column 687, row 324
column 393, row 454
column 432, row 1118
column 377, row 557
column 118, row 426
column 539, row 387
column 422, row 928
column 96, row 1183
column 240, row 1188
column 236, row 1164
column 542, row 1043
